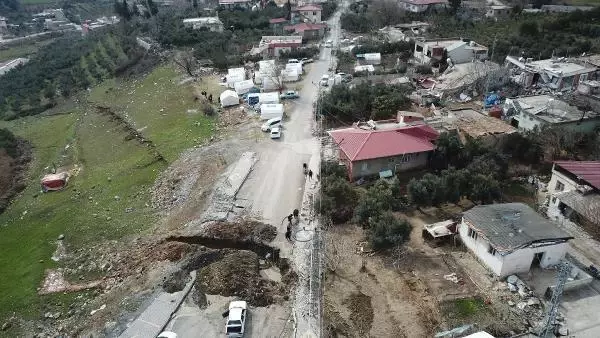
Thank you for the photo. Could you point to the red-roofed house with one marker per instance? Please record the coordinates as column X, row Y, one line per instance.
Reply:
column 307, row 13
column 307, row 30
column 277, row 25
column 367, row 152
column 419, row 6
column 574, row 192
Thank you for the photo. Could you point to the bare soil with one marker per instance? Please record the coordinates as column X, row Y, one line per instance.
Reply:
column 13, row 172
column 242, row 230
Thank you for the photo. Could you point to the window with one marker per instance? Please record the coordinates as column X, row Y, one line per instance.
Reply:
column 473, row 234
column 392, row 159
column 559, row 186
column 365, row 166
column 314, row 13
column 492, row 251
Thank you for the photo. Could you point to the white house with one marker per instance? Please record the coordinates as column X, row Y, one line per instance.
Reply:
column 457, row 50
column 419, row 6
column 307, row 13
column 510, row 238
column 556, row 73
column 574, row 192
column 212, row 24
column 538, row 111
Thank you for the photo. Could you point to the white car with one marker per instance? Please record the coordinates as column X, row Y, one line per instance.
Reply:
column 236, row 319
column 276, row 133
column 293, row 61
column 324, row 80
column 167, row 334
column 328, row 43
column 272, row 123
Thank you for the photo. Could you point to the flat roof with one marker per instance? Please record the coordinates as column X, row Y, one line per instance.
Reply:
column 552, row 110
column 511, row 226
column 561, row 68
column 281, row 39
column 208, row 19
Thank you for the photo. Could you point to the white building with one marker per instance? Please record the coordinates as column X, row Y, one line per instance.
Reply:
column 212, row 23
column 538, row 111
column 574, row 192
column 457, row 50
column 556, row 74
column 419, row 6
column 511, row 238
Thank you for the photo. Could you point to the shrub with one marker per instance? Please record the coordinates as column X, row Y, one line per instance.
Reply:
column 423, row 69
column 338, row 199
column 381, row 197
column 387, row 231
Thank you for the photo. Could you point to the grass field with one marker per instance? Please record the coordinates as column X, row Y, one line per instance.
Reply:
column 26, row 49
column 115, row 174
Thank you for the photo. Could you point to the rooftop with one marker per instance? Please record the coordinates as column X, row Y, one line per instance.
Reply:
column 205, row 20
column 588, row 171
column 425, row 2
column 452, row 43
column 281, row 39
column 552, row 110
column 227, row 2
column 476, row 124
column 360, row 144
column 561, row 68
column 305, row 26
column 308, row 7
column 512, row 226
column 278, row 20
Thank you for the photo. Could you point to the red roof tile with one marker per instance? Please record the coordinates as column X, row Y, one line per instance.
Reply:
column 304, row 26
column 277, row 20
column 588, row 171
column 359, row 144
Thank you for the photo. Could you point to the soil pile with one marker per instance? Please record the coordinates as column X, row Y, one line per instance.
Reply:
column 361, row 312
column 241, row 230
column 237, row 274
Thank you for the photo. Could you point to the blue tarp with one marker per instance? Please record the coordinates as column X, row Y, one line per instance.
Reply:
column 491, row 100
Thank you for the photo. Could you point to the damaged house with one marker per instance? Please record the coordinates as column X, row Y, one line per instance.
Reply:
column 457, row 50
column 538, row 111
column 555, row 74
column 574, row 192
column 511, row 238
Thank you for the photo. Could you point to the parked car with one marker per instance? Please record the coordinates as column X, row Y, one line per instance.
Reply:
column 307, row 60
column 271, row 123
column 167, row 334
column 328, row 43
column 324, row 80
column 236, row 319
column 293, row 61
column 275, row 133
column 290, row 94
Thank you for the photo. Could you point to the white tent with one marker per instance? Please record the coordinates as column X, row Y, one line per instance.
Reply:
column 269, row 83
column 266, row 65
column 372, row 58
column 269, row 111
column 294, row 66
column 271, row 97
column 289, row 75
column 235, row 75
column 229, row 98
column 366, row 68
column 243, row 87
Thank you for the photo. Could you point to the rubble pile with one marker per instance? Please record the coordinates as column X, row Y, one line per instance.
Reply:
column 232, row 116
column 241, row 230
column 237, row 274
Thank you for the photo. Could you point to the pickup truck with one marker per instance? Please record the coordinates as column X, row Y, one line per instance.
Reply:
column 236, row 319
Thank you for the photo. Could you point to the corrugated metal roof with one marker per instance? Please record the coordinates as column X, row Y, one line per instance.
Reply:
column 359, row 144
column 510, row 226
column 588, row 171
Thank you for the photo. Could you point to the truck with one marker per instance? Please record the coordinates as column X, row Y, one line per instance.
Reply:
column 236, row 319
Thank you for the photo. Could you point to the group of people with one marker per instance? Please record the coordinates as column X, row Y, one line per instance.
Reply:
column 307, row 172
column 288, row 232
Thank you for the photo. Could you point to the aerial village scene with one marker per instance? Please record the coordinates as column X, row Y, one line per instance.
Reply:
column 300, row 168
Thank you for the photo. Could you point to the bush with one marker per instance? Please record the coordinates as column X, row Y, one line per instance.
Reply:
column 423, row 69
column 337, row 200
column 382, row 196
column 8, row 141
column 307, row 52
column 355, row 23
column 387, row 231
column 329, row 8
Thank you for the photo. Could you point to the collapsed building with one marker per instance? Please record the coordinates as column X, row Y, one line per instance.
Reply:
column 555, row 74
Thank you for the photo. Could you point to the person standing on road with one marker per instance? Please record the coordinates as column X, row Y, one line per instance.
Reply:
column 305, row 167
column 290, row 219
column 310, row 174
column 288, row 232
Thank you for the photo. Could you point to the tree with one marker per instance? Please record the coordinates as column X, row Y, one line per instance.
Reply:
column 385, row 13
column 195, row 3
column 187, row 62
column 50, row 91
column 484, row 189
column 152, row 7
column 455, row 5
column 382, row 196
column 337, row 200
column 387, row 231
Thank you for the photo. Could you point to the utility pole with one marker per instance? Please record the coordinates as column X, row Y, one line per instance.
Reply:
column 547, row 329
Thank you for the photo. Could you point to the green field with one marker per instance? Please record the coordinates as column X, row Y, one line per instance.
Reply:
column 110, row 164
column 24, row 50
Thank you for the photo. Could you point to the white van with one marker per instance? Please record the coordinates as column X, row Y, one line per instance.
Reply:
column 272, row 123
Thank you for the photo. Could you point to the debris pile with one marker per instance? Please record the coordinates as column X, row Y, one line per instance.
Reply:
column 241, row 230
column 523, row 302
column 237, row 274
column 232, row 117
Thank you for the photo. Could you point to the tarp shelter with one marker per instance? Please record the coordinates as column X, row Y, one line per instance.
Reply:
column 370, row 58
column 229, row 98
column 294, row 66
column 266, row 65
column 243, row 87
column 269, row 83
column 269, row 111
column 289, row 75
column 365, row 68
column 235, row 75
column 53, row 182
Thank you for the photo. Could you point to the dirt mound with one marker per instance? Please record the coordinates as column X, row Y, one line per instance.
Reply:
column 237, row 274
column 361, row 312
column 242, row 230
column 13, row 169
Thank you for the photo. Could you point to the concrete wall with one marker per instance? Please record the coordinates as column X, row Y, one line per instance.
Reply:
column 529, row 122
column 395, row 163
column 559, row 177
column 461, row 55
column 518, row 261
